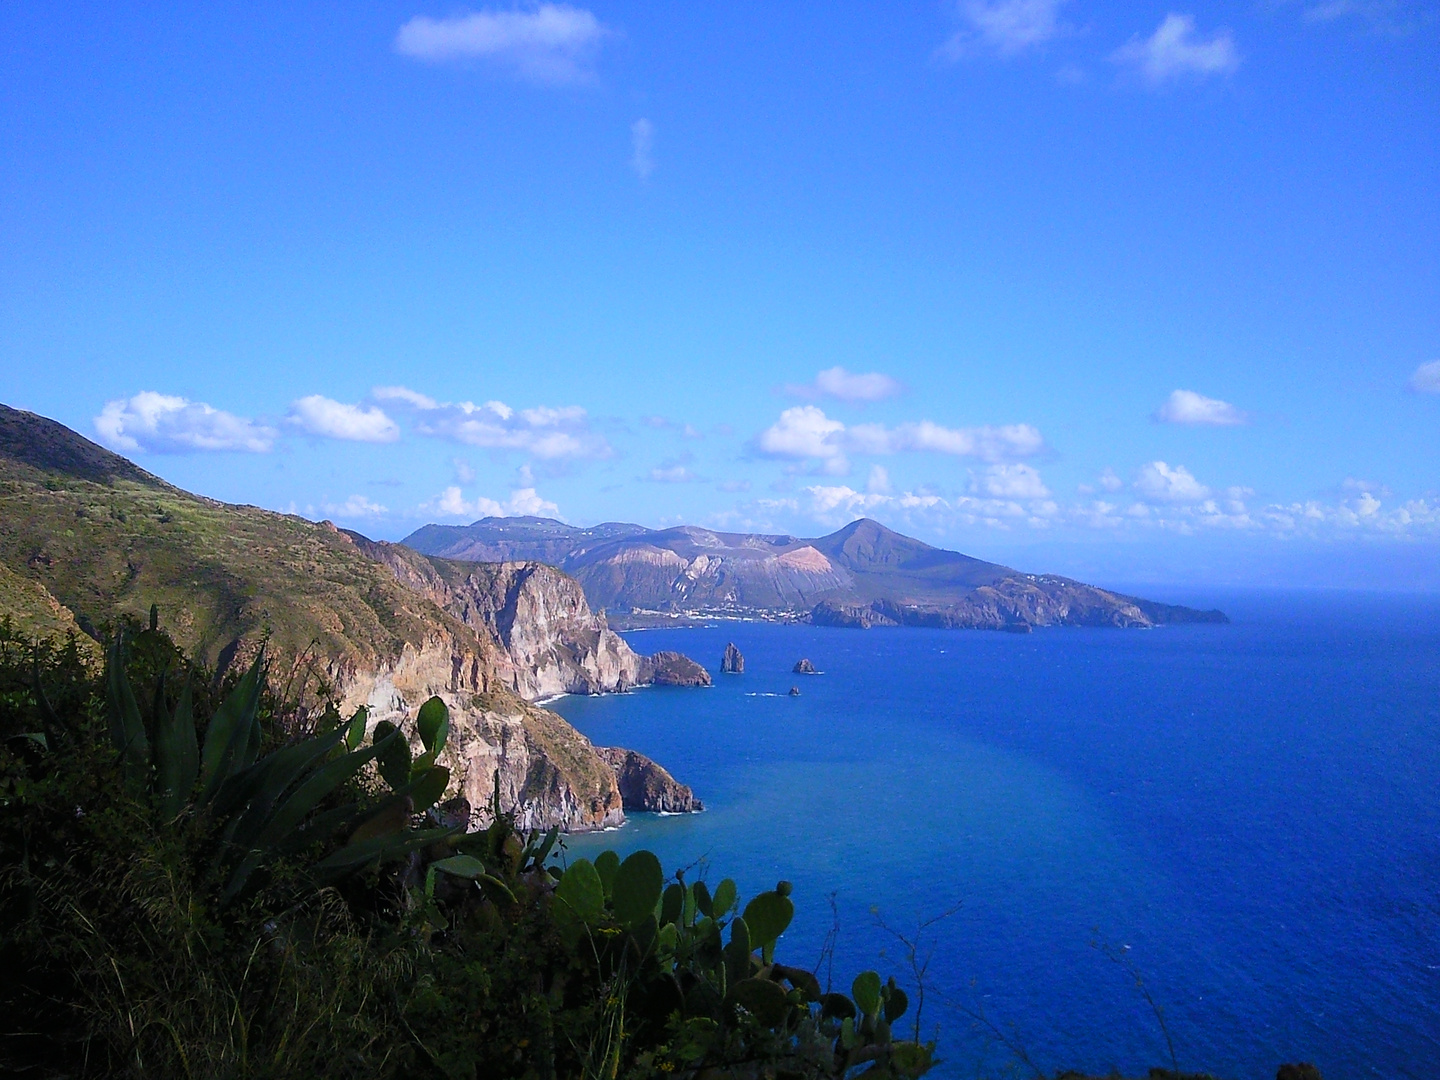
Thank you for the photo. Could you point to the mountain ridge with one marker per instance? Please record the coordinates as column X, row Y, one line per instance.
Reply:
column 863, row 574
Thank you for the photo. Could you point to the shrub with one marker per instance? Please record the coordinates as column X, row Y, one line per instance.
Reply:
column 193, row 883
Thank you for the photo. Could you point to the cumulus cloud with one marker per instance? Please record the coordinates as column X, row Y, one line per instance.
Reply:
column 805, row 432
column 672, row 474
column 836, row 382
column 879, row 481
column 642, row 148
column 553, row 43
column 356, row 506
column 1009, row 482
column 1426, row 379
column 1176, row 51
column 166, row 424
column 1158, row 480
column 523, row 502
column 825, row 500
column 1188, row 407
column 546, row 432
column 1003, row 26
column 318, row 415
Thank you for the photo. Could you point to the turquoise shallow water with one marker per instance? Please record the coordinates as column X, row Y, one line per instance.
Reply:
column 1253, row 809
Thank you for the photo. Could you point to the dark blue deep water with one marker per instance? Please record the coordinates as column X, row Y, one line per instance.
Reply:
column 1248, row 815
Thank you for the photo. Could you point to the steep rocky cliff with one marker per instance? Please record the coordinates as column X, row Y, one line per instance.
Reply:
column 537, row 616
column 88, row 538
column 646, row 786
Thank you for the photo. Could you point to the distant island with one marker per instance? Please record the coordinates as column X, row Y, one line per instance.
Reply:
column 863, row 575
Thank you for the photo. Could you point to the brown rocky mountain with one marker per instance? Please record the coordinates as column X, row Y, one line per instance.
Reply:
column 87, row 538
column 862, row 575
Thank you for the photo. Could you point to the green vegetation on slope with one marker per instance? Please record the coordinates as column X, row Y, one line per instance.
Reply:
column 199, row 882
column 106, row 539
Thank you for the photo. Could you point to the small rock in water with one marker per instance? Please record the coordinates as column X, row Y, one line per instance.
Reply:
column 732, row 663
column 794, row 691
column 805, row 667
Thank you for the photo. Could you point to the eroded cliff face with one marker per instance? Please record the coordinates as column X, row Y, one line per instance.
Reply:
column 549, row 640
column 646, row 786
column 549, row 773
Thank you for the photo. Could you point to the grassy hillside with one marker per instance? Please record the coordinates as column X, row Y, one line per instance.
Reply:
column 104, row 538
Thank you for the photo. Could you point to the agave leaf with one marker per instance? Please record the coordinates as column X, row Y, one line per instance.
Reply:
column 319, row 827
column 355, row 731
column 47, row 713
column 394, row 761
column 316, row 787
column 127, row 728
column 379, row 849
column 230, row 730
column 464, row 866
column 541, row 851
column 177, row 755
column 277, row 772
column 495, row 890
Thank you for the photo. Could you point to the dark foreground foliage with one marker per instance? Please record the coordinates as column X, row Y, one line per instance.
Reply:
column 198, row 878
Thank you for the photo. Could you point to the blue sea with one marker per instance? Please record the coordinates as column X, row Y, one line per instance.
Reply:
column 1240, row 824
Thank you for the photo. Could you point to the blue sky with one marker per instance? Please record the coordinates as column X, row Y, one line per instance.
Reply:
column 1143, row 292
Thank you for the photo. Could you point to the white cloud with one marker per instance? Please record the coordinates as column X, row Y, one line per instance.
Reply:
column 464, row 471
column 1385, row 16
column 805, row 432
column 356, row 506
column 987, row 443
column 879, row 481
column 1110, row 482
column 642, row 148
column 553, row 43
column 672, row 474
column 1158, row 480
column 1188, row 407
column 836, row 382
column 1010, row 482
column 1426, row 379
column 543, row 431
column 165, row 424
column 1175, row 51
column 734, row 485
column 405, row 396
column 318, row 415
column 1005, row 26
column 523, row 502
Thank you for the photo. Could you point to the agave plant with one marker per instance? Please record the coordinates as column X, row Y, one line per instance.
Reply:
column 262, row 808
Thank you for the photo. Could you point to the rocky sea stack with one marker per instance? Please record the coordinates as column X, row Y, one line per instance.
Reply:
column 732, row 663
column 674, row 669
column 804, row 667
